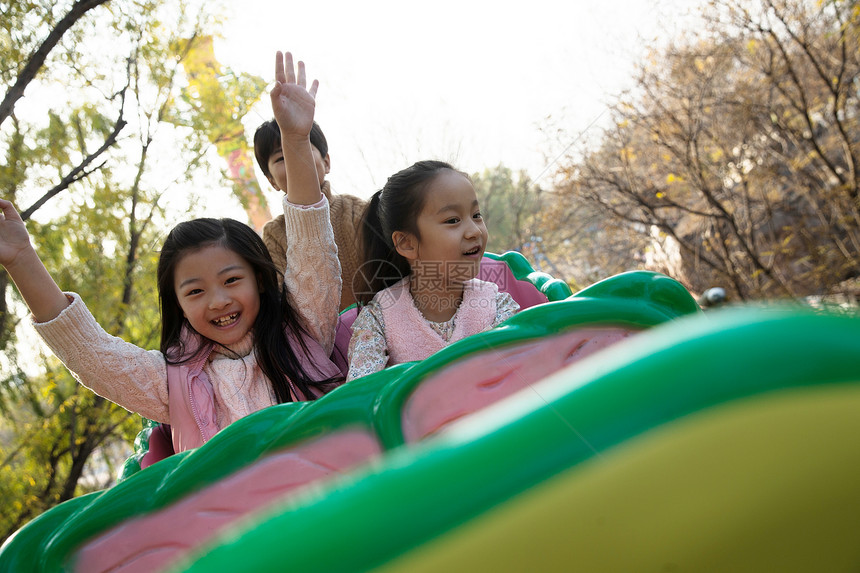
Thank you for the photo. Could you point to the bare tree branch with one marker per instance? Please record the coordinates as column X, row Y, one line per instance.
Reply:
column 37, row 60
column 80, row 171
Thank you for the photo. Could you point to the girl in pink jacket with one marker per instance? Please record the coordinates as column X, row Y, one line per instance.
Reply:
column 423, row 238
column 234, row 339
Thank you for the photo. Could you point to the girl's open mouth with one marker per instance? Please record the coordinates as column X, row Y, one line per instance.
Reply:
column 226, row 320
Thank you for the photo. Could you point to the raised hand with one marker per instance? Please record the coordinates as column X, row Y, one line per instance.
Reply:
column 17, row 255
column 14, row 239
column 292, row 102
column 294, row 105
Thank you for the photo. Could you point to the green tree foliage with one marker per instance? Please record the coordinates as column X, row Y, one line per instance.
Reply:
column 26, row 57
column 584, row 244
column 735, row 158
column 106, row 160
column 510, row 207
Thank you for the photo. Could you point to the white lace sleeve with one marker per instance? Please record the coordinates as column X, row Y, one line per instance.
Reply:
column 506, row 307
column 368, row 352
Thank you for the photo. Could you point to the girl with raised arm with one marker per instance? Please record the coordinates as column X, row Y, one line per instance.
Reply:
column 234, row 340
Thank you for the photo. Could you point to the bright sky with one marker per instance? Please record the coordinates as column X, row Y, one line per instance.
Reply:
column 472, row 82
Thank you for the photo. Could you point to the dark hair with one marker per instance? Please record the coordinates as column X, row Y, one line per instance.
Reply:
column 395, row 207
column 267, row 140
column 276, row 317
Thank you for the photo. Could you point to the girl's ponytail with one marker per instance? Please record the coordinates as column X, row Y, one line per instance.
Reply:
column 382, row 265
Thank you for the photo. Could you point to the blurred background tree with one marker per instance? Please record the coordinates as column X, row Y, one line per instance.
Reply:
column 733, row 161
column 509, row 206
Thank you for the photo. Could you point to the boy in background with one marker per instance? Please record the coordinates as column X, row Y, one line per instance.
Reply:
column 345, row 210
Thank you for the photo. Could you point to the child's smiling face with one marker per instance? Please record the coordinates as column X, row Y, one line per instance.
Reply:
column 218, row 293
column 452, row 232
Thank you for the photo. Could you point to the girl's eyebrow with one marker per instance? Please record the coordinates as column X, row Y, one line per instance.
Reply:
column 451, row 207
column 454, row 207
column 188, row 281
column 229, row 269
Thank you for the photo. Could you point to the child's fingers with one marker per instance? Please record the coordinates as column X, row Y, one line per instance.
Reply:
column 291, row 72
column 275, row 94
column 302, row 81
column 279, row 67
column 8, row 212
column 285, row 73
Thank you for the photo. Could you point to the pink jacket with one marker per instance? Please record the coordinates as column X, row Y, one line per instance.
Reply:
column 200, row 394
column 191, row 397
column 408, row 335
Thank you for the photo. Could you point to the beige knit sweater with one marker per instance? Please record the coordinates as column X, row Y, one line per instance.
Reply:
column 346, row 212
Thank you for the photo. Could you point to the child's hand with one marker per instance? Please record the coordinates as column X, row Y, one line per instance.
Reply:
column 292, row 104
column 17, row 255
column 14, row 238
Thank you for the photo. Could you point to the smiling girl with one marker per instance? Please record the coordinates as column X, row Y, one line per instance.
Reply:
column 423, row 238
column 233, row 340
